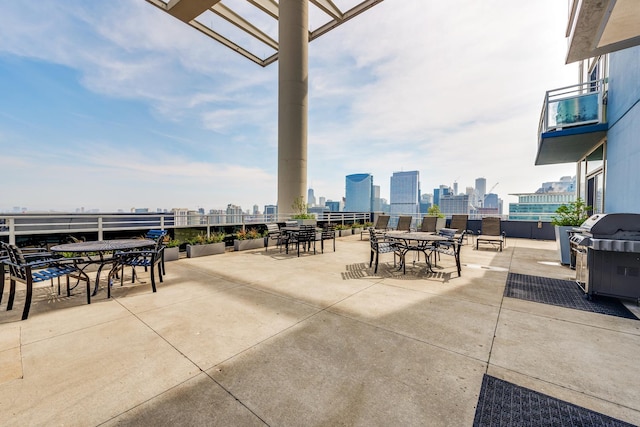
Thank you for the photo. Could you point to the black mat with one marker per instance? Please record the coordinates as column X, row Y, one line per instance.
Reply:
column 563, row 293
column 502, row 403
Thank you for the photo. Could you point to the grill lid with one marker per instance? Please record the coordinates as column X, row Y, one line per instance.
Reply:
column 622, row 226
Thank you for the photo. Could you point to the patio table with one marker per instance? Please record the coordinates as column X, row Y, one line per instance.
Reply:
column 424, row 241
column 94, row 252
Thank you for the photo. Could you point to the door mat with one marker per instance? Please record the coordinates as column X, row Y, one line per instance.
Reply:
column 502, row 403
column 563, row 293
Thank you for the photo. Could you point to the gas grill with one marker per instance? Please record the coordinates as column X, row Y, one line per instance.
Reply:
column 607, row 248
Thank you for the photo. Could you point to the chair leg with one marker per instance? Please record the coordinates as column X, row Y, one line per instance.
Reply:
column 12, row 294
column 153, row 279
column 160, row 272
column 1, row 281
column 27, row 300
column 375, row 270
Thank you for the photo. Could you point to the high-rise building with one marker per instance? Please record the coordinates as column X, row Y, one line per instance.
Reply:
column 234, row 214
column 481, row 189
column 377, row 201
column 405, row 193
column 541, row 205
column 358, row 192
column 311, row 198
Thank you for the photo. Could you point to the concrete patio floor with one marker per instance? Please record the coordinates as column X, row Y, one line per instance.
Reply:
column 264, row 338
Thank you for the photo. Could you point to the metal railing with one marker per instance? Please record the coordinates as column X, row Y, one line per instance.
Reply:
column 574, row 105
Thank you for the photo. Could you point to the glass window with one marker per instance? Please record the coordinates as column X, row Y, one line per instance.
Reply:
column 595, row 160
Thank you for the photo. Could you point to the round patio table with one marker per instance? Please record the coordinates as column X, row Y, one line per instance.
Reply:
column 101, row 248
column 422, row 239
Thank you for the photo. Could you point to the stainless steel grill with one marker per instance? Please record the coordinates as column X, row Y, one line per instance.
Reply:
column 607, row 248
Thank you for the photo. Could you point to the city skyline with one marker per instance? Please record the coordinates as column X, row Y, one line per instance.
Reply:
column 110, row 110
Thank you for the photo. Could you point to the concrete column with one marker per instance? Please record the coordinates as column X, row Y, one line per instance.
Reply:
column 293, row 36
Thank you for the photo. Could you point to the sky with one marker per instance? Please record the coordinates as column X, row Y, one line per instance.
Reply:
column 114, row 105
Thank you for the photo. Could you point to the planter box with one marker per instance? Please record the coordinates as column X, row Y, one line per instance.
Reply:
column 343, row 233
column 194, row 251
column 357, row 230
column 171, row 254
column 243, row 245
column 313, row 222
column 562, row 240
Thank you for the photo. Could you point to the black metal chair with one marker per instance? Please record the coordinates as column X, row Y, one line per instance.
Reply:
column 379, row 245
column 35, row 268
column 150, row 259
column 450, row 247
column 305, row 237
column 274, row 233
column 328, row 233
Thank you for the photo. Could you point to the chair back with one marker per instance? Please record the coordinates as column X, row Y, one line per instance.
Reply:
column 491, row 226
column 157, row 235
column 404, row 223
column 459, row 222
column 382, row 222
column 429, row 224
column 16, row 261
column 447, row 232
column 329, row 231
column 273, row 228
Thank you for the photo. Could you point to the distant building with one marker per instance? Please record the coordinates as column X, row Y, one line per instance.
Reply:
column 358, row 192
column 180, row 216
column 451, row 204
column 270, row 209
column 481, row 188
column 405, row 193
column 541, row 205
column 234, row 214
column 333, row 206
column 311, row 197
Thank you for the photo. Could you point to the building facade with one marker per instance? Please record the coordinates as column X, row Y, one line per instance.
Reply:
column 405, row 193
column 595, row 123
column 358, row 192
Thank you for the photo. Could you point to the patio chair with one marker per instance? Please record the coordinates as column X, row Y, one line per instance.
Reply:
column 328, row 233
column 381, row 225
column 274, row 233
column 491, row 233
column 459, row 223
column 429, row 224
column 451, row 247
column 379, row 245
column 404, row 223
column 305, row 237
column 150, row 259
column 38, row 268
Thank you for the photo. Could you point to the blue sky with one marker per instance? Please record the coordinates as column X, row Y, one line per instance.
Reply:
column 114, row 105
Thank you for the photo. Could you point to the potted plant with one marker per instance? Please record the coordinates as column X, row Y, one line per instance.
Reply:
column 172, row 250
column 567, row 217
column 300, row 212
column 357, row 227
column 248, row 239
column 343, row 230
column 441, row 222
column 201, row 245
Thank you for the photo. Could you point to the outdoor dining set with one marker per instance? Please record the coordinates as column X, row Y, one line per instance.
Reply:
column 70, row 261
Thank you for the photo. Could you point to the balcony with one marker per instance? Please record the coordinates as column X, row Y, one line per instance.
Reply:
column 260, row 338
column 572, row 122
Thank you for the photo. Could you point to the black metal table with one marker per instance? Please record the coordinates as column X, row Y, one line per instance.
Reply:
column 95, row 252
column 423, row 243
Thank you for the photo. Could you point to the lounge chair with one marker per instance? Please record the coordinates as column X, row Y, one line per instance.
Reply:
column 491, row 233
column 459, row 222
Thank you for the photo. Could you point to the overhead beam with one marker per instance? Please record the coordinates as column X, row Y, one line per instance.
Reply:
column 188, row 10
column 230, row 16
column 329, row 8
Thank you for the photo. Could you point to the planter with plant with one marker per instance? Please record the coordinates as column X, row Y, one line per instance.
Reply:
column 300, row 213
column 343, row 230
column 357, row 228
column 567, row 217
column 172, row 250
column 202, row 245
column 248, row 239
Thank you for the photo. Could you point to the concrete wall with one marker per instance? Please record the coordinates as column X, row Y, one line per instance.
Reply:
column 623, row 139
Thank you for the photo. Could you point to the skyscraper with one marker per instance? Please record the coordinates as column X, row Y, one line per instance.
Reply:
column 481, row 188
column 359, row 192
column 405, row 193
column 311, row 198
